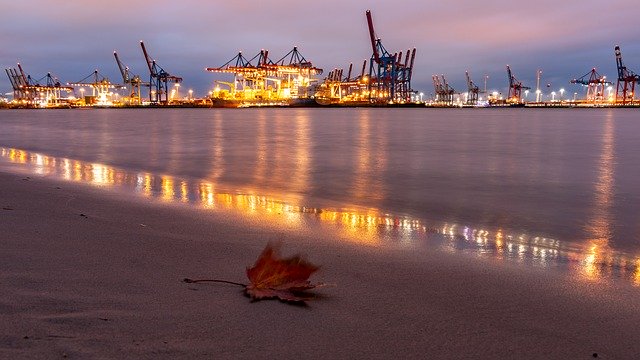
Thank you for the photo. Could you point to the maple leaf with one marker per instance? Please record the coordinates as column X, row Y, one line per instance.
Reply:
column 282, row 278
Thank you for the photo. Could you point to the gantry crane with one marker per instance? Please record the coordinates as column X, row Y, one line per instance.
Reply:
column 260, row 78
column 515, row 88
column 133, row 81
column 100, row 87
column 46, row 91
column 472, row 91
column 444, row 92
column 627, row 80
column 20, row 83
column 595, row 84
column 158, row 80
column 389, row 76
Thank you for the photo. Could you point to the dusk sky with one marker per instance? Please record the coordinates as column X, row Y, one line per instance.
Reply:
column 563, row 38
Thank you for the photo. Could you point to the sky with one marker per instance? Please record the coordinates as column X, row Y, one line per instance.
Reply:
column 565, row 39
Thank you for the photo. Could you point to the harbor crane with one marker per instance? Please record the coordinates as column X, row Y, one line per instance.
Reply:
column 595, row 84
column 100, row 87
column 515, row 88
column 389, row 76
column 472, row 90
column 444, row 92
column 158, row 80
column 46, row 91
column 627, row 80
column 261, row 79
column 133, row 81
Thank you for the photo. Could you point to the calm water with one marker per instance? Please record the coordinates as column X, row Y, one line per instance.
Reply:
column 556, row 184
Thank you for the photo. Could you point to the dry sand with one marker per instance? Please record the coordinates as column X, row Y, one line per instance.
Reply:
column 91, row 273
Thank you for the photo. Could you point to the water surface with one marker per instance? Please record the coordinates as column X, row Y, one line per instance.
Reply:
column 544, row 184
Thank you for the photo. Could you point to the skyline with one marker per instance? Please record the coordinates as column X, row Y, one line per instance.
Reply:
column 187, row 37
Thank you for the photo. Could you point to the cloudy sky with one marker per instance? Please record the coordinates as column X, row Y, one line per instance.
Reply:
column 564, row 38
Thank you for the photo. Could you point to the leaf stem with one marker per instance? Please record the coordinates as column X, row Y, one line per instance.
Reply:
column 191, row 281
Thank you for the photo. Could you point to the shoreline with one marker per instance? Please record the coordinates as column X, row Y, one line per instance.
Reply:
column 107, row 284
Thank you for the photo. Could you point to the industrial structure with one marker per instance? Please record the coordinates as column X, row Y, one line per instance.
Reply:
column 444, row 93
column 101, row 89
column 348, row 90
column 44, row 92
column 596, row 85
column 260, row 81
column 389, row 76
column 627, row 79
column 134, row 83
column 472, row 91
column 388, row 80
column 515, row 89
column 159, row 80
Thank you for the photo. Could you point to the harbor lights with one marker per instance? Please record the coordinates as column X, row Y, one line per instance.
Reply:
column 177, row 88
column 553, row 96
column 421, row 95
column 190, row 94
column 538, row 92
column 609, row 88
column 526, row 94
column 561, row 94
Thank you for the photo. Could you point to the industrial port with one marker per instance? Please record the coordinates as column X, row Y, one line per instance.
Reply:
column 292, row 80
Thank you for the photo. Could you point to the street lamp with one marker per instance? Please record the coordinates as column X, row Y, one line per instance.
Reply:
column 561, row 94
column 553, row 96
column 526, row 94
column 421, row 95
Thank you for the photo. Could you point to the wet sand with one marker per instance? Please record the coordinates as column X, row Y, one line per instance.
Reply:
column 92, row 273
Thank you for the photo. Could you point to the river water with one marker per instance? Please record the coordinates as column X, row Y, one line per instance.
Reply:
column 555, row 187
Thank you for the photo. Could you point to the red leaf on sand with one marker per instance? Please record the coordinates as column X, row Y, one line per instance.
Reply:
column 274, row 277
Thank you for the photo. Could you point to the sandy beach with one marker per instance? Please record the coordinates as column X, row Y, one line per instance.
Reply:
column 89, row 273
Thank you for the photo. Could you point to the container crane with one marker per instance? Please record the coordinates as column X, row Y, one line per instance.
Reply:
column 133, row 81
column 515, row 88
column 595, row 84
column 158, row 80
column 100, row 88
column 472, row 91
column 627, row 80
column 46, row 91
column 444, row 92
column 389, row 77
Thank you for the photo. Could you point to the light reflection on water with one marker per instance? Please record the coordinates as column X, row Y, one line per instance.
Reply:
column 366, row 226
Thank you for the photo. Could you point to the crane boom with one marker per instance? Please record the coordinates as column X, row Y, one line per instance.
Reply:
column 123, row 69
column 147, row 58
column 372, row 35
